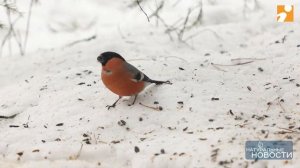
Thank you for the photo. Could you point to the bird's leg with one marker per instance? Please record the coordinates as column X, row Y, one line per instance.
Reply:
column 114, row 105
column 133, row 100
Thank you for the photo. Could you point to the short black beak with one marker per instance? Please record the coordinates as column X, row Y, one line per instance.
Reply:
column 100, row 59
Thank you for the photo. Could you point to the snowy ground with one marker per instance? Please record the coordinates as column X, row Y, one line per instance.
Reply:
column 207, row 114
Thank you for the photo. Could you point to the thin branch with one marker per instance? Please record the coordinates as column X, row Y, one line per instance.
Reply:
column 82, row 40
column 158, row 9
column 138, row 2
column 159, row 108
column 9, row 117
column 198, row 33
column 218, row 68
column 254, row 59
column 77, row 155
column 242, row 63
column 181, row 32
column 11, row 31
column 28, row 25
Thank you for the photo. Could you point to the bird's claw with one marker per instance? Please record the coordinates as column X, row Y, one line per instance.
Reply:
column 110, row 106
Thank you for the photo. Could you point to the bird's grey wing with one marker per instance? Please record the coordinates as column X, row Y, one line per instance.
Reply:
column 137, row 75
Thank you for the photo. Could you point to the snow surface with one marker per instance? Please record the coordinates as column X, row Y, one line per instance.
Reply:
column 60, row 100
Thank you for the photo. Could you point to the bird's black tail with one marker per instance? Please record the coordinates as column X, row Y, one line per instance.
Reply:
column 147, row 79
column 159, row 82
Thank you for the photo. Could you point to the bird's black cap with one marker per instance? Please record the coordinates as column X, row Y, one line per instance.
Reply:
column 106, row 56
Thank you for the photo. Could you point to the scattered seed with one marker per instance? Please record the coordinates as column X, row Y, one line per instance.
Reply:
column 224, row 162
column 260, row 69
column 184, row 129
column 121, row 123
column 223, row 52
column 14, row 126
column 115, row 142
column 57, row 139
column 160, row 108
column 81, row 83
column 136, row 149
column 20, row 153
column 181, row 69
column 214, row 98
column 59, row 124
column 287, row 117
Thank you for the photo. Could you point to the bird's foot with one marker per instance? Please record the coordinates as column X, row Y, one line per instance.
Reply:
column 113, row 105
column 133, row 101
column 131, row 104
column 110, row 106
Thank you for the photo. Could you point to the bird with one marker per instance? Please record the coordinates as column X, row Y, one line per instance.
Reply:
column 122, row 78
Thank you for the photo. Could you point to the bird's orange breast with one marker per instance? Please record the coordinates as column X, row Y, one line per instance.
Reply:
column 117, row 79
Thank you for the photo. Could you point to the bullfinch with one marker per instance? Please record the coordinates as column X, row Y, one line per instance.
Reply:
column 122, row 78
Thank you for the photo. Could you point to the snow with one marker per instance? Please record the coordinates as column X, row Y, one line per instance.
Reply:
column 59, row 98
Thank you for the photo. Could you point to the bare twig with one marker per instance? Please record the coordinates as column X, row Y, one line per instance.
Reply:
column 138, row 2
column 9, row 117
column 254, row 59
column 181, row 32
column 77, row 155
column 198, row 33
column 155, row 13
column 286, row 131
column 166, row 57
column 279, row 103
column 241, row 63
column 199, row 16
column 153, row 108
column 82, row 40
column 11, row 31
column 28, row 25
column 218, row 68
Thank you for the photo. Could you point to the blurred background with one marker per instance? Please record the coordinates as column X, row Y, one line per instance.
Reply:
column 28, row 25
